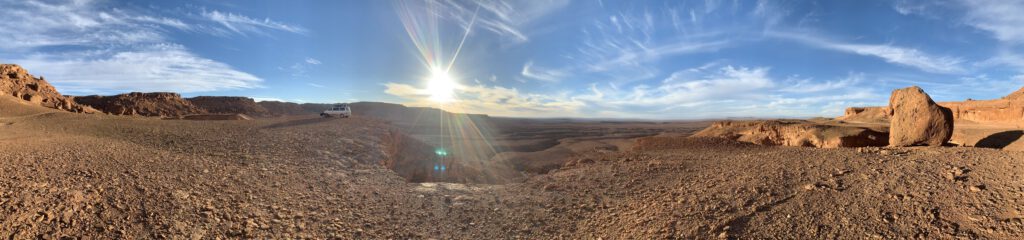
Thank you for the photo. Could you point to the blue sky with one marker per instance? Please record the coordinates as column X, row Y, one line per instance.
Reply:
column 557, row 58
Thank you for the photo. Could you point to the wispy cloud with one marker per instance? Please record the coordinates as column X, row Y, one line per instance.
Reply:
column 30, row 24
column 301, row 69
column 627, row 45
column 678, row 89
column 706, row 91
column 551, row 75
column 827, row 105
column 242, row 24
column 505, row 18
column 893, row 54
column 159, row 67
column 1000, row 17
column 908, row 7
column 808, row 85
column 87, row 47
column 622, row 47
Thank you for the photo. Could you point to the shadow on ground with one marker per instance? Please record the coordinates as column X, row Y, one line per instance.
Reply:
column 1000, row 140
column 298, row 122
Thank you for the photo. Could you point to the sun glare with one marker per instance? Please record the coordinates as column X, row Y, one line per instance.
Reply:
column 441, row 86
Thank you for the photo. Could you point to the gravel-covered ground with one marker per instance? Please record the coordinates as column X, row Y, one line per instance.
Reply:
column 99, row 177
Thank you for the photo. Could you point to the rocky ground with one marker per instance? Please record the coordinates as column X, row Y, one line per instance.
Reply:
column 98, row 176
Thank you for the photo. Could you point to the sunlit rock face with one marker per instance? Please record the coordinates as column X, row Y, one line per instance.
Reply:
column 1008, row 109
column 797, row 133
column 17, row 82
column 156, row 104
column 229, row 105
column 917, row 120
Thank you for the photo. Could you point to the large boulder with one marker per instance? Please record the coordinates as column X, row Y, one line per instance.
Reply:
column 917, row 120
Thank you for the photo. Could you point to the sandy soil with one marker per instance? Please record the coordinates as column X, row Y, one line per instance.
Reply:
column 97, row 176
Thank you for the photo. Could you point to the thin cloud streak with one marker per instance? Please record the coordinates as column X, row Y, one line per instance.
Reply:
column 504, row 18
column 892, row 54
column 242, row 24
column 549, row 75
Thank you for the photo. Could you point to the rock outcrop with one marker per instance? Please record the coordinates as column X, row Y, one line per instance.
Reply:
column 155, row 104
column 1016, row 95
column 866, row 115
column 987, row 111
column 797, row 133
column 276, row 108
column 917, row 120
column 16, row 81
column 229, row 105
column 1008, row 109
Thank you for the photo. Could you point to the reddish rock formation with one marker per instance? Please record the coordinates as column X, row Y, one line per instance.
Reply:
column 156, row 104
column 276, row 108
column 1005, row 110
column 797, row 133
column 16, row 81
column 866, row 115
column 1008, row 109
column 1017, row 95
column 917, row 120
column 229, row 105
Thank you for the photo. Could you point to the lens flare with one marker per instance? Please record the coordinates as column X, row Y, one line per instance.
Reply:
column 441, row 86
column 463, row 141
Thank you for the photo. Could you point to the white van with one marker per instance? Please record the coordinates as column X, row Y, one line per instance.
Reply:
column 339, row 110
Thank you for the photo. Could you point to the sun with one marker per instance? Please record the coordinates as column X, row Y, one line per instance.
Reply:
column 441, row 86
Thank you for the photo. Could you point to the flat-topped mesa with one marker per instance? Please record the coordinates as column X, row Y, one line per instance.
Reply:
column 1008, row 109
column 229, row 105
column 17, row 82
column 866, row 115
column 797, row 133
column 278, row 108
column 154, row 104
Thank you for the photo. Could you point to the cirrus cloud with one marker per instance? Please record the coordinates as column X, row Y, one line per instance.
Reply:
column 90, row 47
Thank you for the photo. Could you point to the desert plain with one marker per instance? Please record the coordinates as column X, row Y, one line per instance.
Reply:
column 155, row 166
